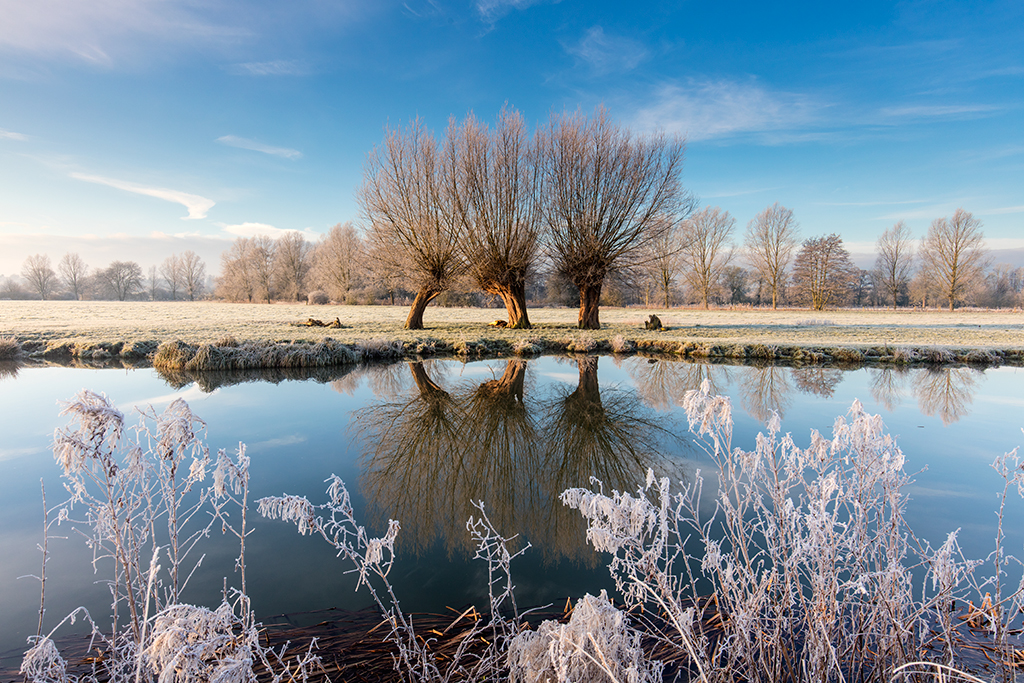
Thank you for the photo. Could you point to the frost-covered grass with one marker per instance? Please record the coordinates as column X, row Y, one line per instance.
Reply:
column 801, row 554
column 89, row 323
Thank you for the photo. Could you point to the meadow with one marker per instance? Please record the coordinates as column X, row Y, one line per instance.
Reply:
column 77, row 327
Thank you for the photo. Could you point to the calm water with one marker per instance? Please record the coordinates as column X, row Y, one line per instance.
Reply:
column 417, row 442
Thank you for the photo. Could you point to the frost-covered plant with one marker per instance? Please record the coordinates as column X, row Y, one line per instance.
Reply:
column 805, row 551
column 374, row 349
column 373, row 559
column 597, row 644
column 139, row 497
column 622, row 345
column 10, row 347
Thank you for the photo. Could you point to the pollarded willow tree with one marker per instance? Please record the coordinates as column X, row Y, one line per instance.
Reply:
column 606, row 191
column 953, row 255
column 770, row 241
column 498, row 199
column 823, row 273
column 413, row 229
column 706, row 251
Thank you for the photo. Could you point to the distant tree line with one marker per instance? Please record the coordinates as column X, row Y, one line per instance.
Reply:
column 581, row 212
column 180, row 276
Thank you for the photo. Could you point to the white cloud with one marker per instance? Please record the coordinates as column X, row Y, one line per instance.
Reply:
column 492, row 10
column 279, row 67
column 939, row 111
column 11, row 135
column 606, row 53
column 197, row 206
column 256, row 229
column 719, row 109
column 244, row 143
column 99, row 31
column 1002, row 210
column 190, row 394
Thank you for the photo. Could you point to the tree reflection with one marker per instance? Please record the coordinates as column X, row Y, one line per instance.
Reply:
column 663, row 384
column 947, row 392
column 765, row 389
column 887, row 385
column 817, row 380
column 415, row 460
column 432, row 452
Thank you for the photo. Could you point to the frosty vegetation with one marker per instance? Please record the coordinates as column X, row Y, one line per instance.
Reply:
column 782, row 563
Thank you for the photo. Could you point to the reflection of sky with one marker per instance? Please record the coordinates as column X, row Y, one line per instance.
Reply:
column 299, row 433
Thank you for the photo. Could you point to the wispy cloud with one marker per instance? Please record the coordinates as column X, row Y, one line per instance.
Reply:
column 197, row 206
column 492, row 10
column 258, row 229
column 11, row 135
column 607, row 53
column 719, row 109
column 899, row 202
column 738, row 193
column 1002, row 211
column 244, row 143
column 939, row 111
column 279, row 67
column 100, row 32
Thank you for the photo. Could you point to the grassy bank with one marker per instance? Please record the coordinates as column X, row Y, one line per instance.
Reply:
column 209, row 335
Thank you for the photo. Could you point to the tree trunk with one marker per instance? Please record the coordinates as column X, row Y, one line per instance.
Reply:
column 423, row 297
column 590, row 298
column 428, row 388
column 515, row 304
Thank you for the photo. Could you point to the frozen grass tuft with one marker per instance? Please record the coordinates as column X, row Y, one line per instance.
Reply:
column 814, row 322
column 622, row 345
column 597, row 644
column 10, row 347
column 380, row 348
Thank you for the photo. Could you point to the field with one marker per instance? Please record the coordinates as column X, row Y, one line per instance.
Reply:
column 83, row 325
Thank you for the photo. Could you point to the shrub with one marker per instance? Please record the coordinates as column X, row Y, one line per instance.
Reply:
column 318, row 298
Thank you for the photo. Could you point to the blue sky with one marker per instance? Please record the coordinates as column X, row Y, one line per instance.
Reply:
column 140, row 128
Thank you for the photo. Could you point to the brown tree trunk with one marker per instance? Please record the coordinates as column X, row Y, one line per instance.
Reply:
column 428, row 388
column 511, row 384
column 415, row 319
column 515, row 304
column 590, row 298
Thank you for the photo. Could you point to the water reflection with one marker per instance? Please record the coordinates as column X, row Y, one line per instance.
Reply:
column 946, row 392
column 9, row 369
column 817, row 380
column 433, row 450
column 765, row 389
column 211, row 380
column 662, row 384
column 888, row 384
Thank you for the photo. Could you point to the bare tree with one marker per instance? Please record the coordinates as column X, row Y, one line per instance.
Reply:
column 661, row 261
column 895, row 260
column 171, row 271
column 73, row 273
column 606, row 193
column 953, row 255
column 706, row 250
column 193, row 273
column 412, row 224
column 823, row 273
column 40, row 276
column 497, row 193
column 122, row 278
column 770, row 241
column 238, row 280
column 337, row 260
column 261, row 256
column 154, row 283
column 292, row 263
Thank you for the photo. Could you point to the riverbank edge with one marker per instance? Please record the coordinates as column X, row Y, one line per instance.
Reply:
column 229, row 354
